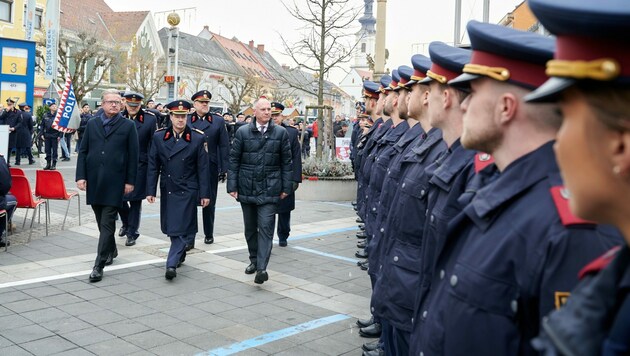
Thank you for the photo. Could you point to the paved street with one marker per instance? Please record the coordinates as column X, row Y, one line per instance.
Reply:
column 309, row 305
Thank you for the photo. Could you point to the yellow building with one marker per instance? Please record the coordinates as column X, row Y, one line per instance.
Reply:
column 522, row 18
column 12, row 25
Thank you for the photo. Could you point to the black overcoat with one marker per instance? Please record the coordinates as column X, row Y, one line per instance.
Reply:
column 287, row 204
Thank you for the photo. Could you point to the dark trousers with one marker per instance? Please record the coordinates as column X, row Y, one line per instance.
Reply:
column 387, row 337
column 399, row 343
column 76, row 149
column 284, row 225
column 106, row 221
column 207, row 214
column 260, row 221
column 130, row 216
column 24, row 151
column 52, row 149
column 177, row 252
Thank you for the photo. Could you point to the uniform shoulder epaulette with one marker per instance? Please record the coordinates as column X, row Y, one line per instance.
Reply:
column 198, row 131
column 561, row 198
column 160, row 129
column 482, row 160
column 600, row 263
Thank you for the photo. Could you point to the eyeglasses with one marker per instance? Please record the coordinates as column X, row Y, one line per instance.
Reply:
column 112, row 102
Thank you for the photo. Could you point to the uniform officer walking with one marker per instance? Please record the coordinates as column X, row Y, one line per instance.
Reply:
column 146, row 124
column 107, row 166
column 513, row 253
column 286, row 205
column 13, row 118
column 259, row 177
column 24, row 143
column 218, row 141
column 50, row 134
column 179, row 157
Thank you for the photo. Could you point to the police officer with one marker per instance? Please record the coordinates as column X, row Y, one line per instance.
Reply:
column 286, row 205
column 24, row 135
column 216, row 133
column 179, row 157
column 513, row 253
column 146, row 124
column 13, row 118
column 590, row 80
column 50, row 134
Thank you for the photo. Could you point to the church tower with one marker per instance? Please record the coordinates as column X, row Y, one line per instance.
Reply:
column 365, row 37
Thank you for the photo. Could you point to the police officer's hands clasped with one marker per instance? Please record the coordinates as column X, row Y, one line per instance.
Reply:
column 222, row 177
column 128, row 188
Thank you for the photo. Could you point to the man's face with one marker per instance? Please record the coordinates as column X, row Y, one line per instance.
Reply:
column 277, row 119
column 227, row 118
column 403, row 94
column 53, row 107
column 380, row 104
column 391, row 101
column 151, row 104
column 481, row 131
column 262, row 111
column 436, row 104
column 132, row 110
column 111, row 104
column 240, row 118
column 201, row 107
column 86, row 109
column 415, row 104
column 178, row 121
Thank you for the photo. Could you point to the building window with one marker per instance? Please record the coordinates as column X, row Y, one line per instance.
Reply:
column 363, row 47
column 6, row 8
column 37, row 24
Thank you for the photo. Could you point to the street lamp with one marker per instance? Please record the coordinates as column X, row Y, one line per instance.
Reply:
column 173, row 20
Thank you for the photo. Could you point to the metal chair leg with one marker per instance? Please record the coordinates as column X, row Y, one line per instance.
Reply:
column 65, row 216
column 79, row 205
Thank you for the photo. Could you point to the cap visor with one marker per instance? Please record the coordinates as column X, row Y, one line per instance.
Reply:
column 550, row 90
column 426, row 80
column 133, row 104
column 463, row 80
column 410, row 83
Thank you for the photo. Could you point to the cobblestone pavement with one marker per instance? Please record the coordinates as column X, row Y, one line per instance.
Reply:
column 309, row 305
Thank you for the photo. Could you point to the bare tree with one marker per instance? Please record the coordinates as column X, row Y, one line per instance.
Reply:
column 141, row 71
column 197, row 80
column 326, row 42
column 239, row 88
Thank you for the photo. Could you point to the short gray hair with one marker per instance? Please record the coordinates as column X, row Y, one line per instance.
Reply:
column 109, row 92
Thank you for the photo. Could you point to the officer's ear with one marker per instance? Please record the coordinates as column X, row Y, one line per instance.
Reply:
column 507, row 107
column 620, row 150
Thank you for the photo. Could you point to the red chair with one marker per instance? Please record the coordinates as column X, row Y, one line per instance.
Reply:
column 17, row 171
column 21, row 189
column 50, row 185
column 5, row 216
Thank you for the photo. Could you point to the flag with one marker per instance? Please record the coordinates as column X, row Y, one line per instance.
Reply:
column 68, row 117
column 52, row 39
column 30, row 20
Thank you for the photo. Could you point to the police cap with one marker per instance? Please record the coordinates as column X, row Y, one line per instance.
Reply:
column 202, row 95
column 133, row 99
column 179, row 107
column 276, row 107
column 448, row 62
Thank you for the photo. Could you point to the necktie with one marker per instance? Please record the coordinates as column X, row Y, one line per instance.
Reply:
column 262, row 129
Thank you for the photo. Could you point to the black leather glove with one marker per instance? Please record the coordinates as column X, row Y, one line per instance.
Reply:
column 222, row 177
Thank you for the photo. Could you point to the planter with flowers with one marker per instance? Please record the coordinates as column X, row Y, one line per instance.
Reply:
column 331, row 180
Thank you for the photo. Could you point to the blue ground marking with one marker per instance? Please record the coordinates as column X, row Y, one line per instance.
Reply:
column 321, row 233
column 273, row 336
column 343, row 258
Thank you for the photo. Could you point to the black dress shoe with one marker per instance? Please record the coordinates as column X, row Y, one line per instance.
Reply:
column 282, row 243
column 354, row 203
column 31, row 162
column 208, row 240
column 376, row 352
column 261, row 277
column 373, row 330
column 362, row 244
column 360, row 263
column 170, row 273
column 359, row 221
column 361, row 254
column 362, row 227
column 97, row 274
column 110, row 258
column 4, row 242
column 130, row 241
column 251, row 269
column 370, row 346
column 122, row 231
column 365, row 322
column 364, row 266
column 361, row 235
column 190, row 247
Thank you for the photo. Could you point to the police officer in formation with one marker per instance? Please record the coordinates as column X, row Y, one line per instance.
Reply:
column 50, row 134
column 146, row 124
column 286, row 205
column 481, row 243
column 179, row 158
column 12, row 117
column 25, row 133
column 218, row 142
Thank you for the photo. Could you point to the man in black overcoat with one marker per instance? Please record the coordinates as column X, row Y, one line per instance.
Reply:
column 107, row 167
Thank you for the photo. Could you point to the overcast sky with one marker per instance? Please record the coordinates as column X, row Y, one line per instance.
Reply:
column 411, row 24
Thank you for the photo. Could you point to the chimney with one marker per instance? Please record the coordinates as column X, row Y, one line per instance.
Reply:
column 206, row 28
column 261, row 48
column 251, row 44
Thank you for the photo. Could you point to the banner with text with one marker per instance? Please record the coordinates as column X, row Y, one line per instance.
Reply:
column 68, row 117
column 52, row 39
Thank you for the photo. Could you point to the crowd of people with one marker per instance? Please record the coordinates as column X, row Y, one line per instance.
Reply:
column 490, row 182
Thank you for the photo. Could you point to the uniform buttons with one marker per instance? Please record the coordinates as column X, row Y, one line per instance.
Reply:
column 382, row 230
column 372, row 309
column 403, row 185
column 432, row 218
column 422, row 192
column 421, row 353
column 373, row 209
column 442, row 273
column 102, row 152
column 169, row 176
column 453, row 280
column 380, row 267
column 424, row 314
column 412, row 320
column 395, row 258
column 514, row 305
column 169, row 192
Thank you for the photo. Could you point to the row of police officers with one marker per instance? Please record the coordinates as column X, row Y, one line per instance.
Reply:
column 470, row 236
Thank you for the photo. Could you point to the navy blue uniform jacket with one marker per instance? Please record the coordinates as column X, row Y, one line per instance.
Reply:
column 287, row 204
column 146, row 124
